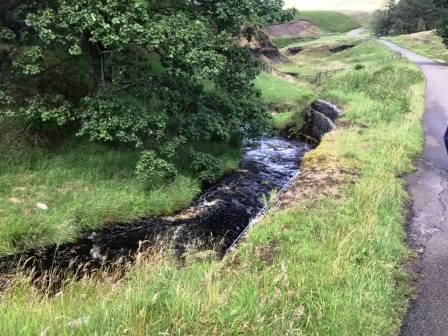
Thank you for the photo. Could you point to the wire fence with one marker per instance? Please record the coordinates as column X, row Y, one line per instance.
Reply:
column 315, row 78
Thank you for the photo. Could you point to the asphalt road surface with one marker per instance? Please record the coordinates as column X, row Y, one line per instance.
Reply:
column 428, row 227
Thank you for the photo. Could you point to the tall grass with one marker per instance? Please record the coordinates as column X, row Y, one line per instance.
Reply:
column 331, row 267
column 289, row 100
column 86, row 186
column 280, row 93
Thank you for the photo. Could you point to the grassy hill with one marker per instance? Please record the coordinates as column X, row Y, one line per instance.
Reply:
column 329, row 21
column 424, row 43
column 352, row 5
column 362, row 17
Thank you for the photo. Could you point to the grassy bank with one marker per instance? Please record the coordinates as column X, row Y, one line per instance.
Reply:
column 329, row 21
column 287, row 100
column 425, row 43
column 326, row 265
column 85, row 186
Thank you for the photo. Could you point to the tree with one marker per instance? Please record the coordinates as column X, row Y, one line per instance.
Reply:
column 152, row 74
column 406, row 16
column 442, row 27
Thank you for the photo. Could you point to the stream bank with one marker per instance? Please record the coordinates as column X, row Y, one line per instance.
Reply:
column 214, row 222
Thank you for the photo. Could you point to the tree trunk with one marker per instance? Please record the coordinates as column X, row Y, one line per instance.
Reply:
column 97, row 58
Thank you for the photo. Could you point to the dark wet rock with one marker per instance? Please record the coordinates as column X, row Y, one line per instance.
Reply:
column 294, row 51
column 320, row 120
column 317, row 125
column 341, row 48
column 329, row 110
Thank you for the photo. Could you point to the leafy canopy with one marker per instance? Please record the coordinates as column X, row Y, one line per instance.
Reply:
column 442, row 27
column 149, row 74
column 406, row 16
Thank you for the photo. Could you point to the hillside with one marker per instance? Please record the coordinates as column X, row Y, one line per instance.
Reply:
column 352, row 5
column 362, row 17
column 329, row 21
column 425, row 43
column 310, row 25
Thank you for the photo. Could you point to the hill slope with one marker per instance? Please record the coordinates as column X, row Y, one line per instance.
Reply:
column 425, row 43
column 329, row 21
column 354, row 5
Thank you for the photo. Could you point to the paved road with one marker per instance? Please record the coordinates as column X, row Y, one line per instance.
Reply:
column 428, row 228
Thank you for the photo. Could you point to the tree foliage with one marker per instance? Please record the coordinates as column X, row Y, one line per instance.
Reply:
column 150, row 74
column 442, row 27
column 406, row 17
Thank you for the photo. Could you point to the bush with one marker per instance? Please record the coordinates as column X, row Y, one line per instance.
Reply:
column 150, row 167
column 206, row 167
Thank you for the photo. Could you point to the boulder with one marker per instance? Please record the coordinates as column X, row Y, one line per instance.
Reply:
column 320, row 119
column 329, row 110
column 317, row 125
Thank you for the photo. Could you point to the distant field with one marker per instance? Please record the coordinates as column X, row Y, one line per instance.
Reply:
column 362, row 17
column 329, row 21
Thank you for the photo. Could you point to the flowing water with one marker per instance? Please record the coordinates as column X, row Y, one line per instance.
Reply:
column 215, row 220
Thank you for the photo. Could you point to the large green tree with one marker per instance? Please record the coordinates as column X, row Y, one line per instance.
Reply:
column 152, row 74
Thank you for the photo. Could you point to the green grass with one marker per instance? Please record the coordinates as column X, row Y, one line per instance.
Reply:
column 329, row 41
column 329, row 21
column 288, row 100
column 85, row 186
column 282, row 94
column 329, row 267
column 316, row 56
column 282, row 120
column 293, row 68
column 426, row 43
column 366, row 54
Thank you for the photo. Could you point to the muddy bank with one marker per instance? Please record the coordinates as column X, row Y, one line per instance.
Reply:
column 215, row 221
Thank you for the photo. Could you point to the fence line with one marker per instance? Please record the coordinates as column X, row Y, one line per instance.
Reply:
column 324, row 74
